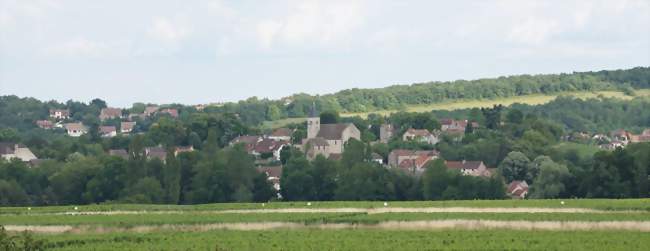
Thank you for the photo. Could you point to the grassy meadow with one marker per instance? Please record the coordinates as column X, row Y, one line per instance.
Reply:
column 562, row 224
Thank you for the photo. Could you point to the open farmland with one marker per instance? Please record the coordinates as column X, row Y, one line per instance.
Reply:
column 439, row 225
column 532, row 99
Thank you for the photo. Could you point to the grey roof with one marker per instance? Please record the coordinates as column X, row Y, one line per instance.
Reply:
column 332, row 131
column 7, row 148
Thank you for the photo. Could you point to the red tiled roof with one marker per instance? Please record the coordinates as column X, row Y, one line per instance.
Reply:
column 269, row 145
column 107, row 129
column 418, row 132
column 271, row 171
column 282, row 132
column 463, row 164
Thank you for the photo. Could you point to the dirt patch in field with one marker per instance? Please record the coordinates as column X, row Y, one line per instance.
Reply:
column 643, row 226
column 359, row 210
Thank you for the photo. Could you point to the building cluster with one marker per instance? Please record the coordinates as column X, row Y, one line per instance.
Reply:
column 61, row 118
column 621, row 138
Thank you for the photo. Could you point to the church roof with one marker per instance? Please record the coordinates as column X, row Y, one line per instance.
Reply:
column 332, row 131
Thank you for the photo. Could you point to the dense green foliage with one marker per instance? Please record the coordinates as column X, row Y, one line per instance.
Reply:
column 254, row 110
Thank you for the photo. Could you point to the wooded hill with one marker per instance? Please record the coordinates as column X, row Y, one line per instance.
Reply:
column 254, row 110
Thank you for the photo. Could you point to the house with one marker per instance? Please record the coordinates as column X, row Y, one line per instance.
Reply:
column 10, row 151
column 107, row 131
column 612, row 145
column 75, row 129
column 517, row 189
column 60, row 113
column 134, row 116
column 453, row 126
column 377, row 158
column 273, row 174
column 386, row 132
column 119, row 153
column 126, row 127
column 155, row 153
column 150, row 110
column 110, row 113
column 472, row 168
column 269, row 147
column 416, row 166
column 327, row 139
column 621, row 135
column 281, row 134
column 420, row 135
column 643, row 137
column 398, row 156
column 183, row 149
column 249, row 141
column 171, row 112
column 45, row 124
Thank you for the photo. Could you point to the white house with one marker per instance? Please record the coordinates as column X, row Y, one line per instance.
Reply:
column 75, row 129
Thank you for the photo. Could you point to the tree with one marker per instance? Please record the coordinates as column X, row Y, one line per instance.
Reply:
column 262, row 189
column 514, row 166
column 550, row 181
column 146, row 191
column 515, row 116
column 329, row 117
column 323, row 173
column 172, row 178
column 492, row 116
column 296, row 183
column 435, row 180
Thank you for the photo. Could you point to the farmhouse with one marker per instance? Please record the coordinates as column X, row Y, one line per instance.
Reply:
column 126, row 127
column 60, row 113
column 410, row 159
column 472, row 168
column 155, row 153
column 281, row 134
column 107, row 131
column 269, row 148
column 150, row 110
column 183, row 149
column 45, row 124
column 171, row 112
column 75, row 129
column 249, row 141
column 326, row 139
column 517, row 189
column 10, row 151
column 420, row 135
column 110, row 113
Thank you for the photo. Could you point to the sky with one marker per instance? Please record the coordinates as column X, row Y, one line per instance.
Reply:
column 204, row 51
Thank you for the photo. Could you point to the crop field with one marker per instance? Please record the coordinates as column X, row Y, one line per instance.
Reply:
column 571, row 224
column 534, row 99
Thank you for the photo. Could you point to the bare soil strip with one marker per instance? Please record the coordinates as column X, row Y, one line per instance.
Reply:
column 354, row 210
column 643, row 226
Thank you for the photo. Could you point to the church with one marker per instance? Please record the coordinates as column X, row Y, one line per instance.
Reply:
column 327, row 139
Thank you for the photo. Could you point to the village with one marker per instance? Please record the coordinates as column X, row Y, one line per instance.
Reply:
column 328, row 140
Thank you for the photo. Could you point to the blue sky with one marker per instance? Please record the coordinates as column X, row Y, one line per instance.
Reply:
column 209, row 50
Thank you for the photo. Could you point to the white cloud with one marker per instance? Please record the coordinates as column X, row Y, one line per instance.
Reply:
column 312, row 23
column 167, row 30
column 80, row 47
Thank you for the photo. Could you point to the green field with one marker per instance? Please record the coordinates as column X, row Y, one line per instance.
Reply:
column 561, row 224
column 288, row 239
column 534, row 99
